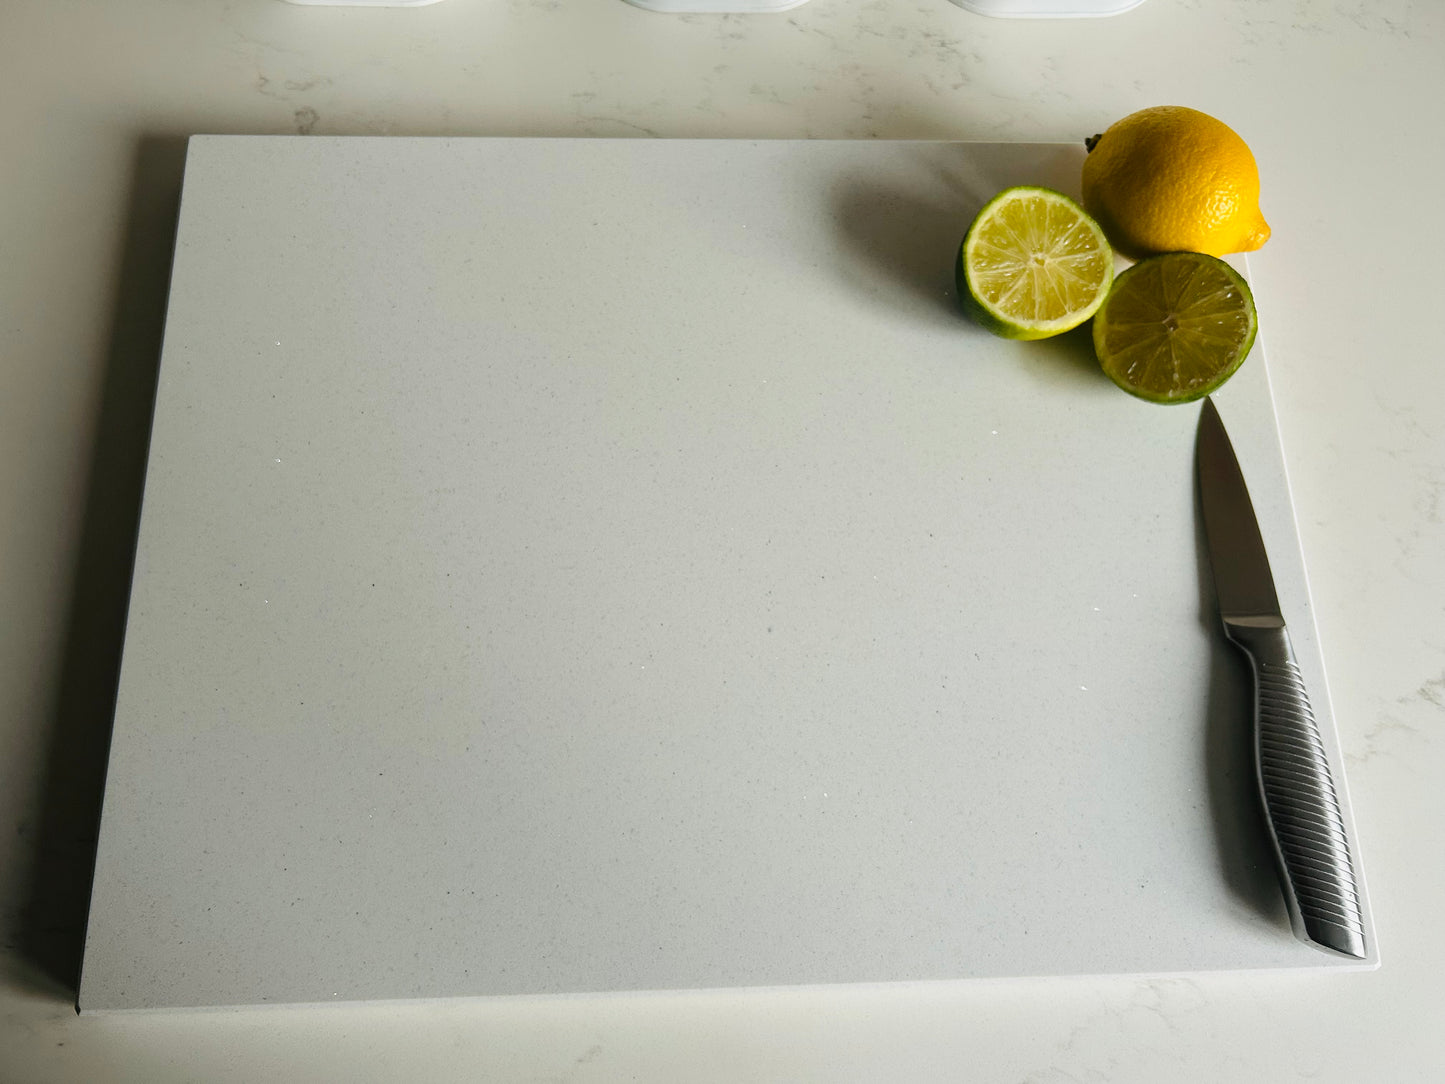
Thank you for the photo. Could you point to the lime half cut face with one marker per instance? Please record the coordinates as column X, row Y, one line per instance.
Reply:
column 1033, row 264
column 1175, row 327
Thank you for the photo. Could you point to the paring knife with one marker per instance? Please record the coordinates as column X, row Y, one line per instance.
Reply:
column 1300, row 803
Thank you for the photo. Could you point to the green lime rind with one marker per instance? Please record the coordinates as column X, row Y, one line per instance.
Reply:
column 1175, row 327
column 968, row 274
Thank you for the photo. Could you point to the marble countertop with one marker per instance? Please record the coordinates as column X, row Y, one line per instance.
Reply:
column 96, row 101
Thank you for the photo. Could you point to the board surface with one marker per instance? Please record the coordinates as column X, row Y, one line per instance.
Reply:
column 591, row 565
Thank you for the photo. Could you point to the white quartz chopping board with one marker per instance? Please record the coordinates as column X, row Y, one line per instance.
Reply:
column 590, row 565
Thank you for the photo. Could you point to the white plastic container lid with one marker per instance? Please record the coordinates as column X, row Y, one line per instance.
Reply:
column 718, row 7
column 1048, row 9
column 366, row 3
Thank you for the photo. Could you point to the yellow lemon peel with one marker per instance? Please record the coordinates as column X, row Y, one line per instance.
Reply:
column 1173, row 179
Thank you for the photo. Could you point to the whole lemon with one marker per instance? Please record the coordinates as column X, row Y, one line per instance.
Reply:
column 1173, row 179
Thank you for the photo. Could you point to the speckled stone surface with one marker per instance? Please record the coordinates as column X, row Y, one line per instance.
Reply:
column 580, row 565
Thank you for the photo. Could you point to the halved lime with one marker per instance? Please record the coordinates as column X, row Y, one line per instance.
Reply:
column 1033, row 264
column 1175, row 327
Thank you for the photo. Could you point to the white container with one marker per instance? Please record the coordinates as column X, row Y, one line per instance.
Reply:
column 365, row 3
column 1048, row 9
column 718, row 7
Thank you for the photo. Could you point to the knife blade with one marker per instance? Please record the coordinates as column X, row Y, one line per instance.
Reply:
column 1296, row 787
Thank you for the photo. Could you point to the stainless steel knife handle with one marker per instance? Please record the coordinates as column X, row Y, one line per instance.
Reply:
column 1300, row 803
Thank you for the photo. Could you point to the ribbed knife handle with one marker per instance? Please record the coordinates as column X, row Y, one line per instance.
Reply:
column 1300, row 803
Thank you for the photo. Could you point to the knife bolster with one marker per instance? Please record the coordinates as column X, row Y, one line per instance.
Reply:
column 1245, row 622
